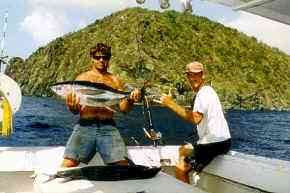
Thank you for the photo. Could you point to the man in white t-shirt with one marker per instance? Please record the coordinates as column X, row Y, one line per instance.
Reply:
column 212, row 127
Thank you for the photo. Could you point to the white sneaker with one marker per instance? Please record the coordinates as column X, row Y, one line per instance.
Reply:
column 195, row 178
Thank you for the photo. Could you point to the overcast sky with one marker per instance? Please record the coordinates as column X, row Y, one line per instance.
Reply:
column 33, row 23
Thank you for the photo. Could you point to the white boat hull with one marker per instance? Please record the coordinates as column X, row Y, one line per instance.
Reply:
column 231, row 173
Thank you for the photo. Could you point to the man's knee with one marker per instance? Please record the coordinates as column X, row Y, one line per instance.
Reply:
column 185, row 150
column 68, row 162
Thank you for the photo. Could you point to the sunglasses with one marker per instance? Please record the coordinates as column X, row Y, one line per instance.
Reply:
column 191, row 73
column 103, row 57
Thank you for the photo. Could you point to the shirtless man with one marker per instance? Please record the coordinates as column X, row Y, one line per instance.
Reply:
column 96, row 130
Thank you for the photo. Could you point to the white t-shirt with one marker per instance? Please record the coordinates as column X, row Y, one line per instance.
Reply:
column 213, row 126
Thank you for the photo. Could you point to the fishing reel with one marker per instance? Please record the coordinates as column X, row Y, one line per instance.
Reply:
column 154, row 136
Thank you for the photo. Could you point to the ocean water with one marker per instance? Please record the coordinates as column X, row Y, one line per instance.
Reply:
column 46, row 122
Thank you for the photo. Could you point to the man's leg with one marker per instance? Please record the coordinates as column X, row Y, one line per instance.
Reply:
column 111, row 146
column 80, row 147
column 182, row 167
column 181, row 172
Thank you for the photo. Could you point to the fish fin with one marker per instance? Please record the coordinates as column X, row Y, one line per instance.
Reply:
column 54, row 176
column 34, row 175
column 111, row 109
column 130, row 162
column 50, row 177
column 68, row 179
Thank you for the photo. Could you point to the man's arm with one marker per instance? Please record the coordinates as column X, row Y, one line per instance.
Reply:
column 72, row 103
column 126, row 104
column 193, row 117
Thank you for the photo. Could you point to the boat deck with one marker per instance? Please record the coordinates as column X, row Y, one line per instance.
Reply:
column 234, row 172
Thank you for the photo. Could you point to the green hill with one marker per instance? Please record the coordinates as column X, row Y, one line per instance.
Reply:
column 149, row 45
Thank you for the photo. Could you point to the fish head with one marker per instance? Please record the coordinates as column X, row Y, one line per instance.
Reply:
column 62, row 90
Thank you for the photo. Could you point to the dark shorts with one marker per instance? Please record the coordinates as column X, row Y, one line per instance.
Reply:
column 203, row 154
column 89, row 138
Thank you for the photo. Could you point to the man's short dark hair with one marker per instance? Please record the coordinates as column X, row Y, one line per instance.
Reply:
column 100, row 49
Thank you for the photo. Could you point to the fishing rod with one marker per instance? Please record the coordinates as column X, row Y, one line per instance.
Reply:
column 3, row 58
column 148, row 128
column 141, row 72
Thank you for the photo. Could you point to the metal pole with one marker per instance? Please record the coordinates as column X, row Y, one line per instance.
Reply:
column 2, row 64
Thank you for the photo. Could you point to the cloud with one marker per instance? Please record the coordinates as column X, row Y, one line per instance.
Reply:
column 44, row 25
column 81, row 3
column 270, row 32
column 214, row 11
column 48, row 19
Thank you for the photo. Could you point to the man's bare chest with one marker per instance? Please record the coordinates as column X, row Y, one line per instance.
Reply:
column 107, row 80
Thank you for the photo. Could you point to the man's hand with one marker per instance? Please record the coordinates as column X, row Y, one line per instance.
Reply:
column 126, row 104
column 165, row 99
column 73, row 102
column 135, row 95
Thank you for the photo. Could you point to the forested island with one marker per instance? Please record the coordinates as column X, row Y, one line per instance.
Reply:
column 154, row 47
